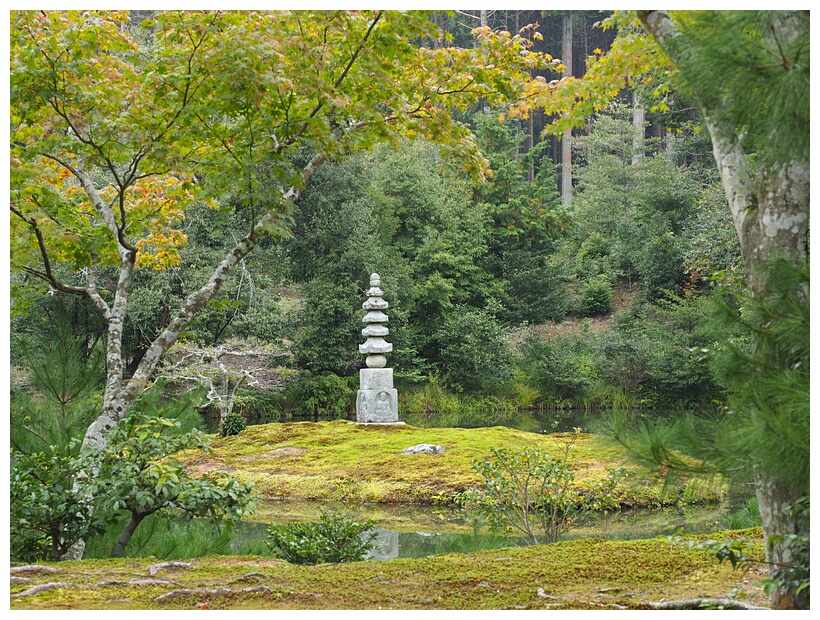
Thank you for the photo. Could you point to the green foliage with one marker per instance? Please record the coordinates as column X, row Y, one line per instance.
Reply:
column 50, row 508
column 535, row 284
column 595, row 296
column 658, row 261
column 522, row 210
column 233, row 424
column 259, row 406
column 561, row 368
column 179, row 536
column 65, row 373
column 138, row 477
column 401, row 215
column 435, row 406
column 474, row 352
column 164, row 400
column 630, row 205
column 709, row 240
column 766, row 371
column 748, row 515
column 534, row 494
column 593, row 258
column 756, row 64
column 330, row 327
column 327, row 396
column 662, row 349
column 336, row 538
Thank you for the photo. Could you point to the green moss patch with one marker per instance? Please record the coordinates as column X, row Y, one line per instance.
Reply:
column 581, row 574
column 345, row 461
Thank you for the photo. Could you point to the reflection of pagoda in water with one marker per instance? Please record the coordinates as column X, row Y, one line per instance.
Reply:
column 385, row 545
column 377, row 400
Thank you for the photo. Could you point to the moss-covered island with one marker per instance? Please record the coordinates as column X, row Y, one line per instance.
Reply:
column 342, row 460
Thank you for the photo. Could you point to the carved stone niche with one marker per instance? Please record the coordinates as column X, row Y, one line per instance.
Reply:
column 377, row 401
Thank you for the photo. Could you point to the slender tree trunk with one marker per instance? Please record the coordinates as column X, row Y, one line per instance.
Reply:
column 119, row 545
column 638, row 120
column 530, row 144
column 483, row 18
column 566, row 138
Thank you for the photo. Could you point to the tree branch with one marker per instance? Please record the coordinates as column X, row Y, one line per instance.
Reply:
column 48, row 275
column 704, row 603
column 200, row 297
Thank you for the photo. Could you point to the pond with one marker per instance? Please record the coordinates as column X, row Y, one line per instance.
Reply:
column 414, row 531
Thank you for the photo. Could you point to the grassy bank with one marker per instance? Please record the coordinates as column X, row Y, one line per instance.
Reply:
column 350, row 462
column 581, row 574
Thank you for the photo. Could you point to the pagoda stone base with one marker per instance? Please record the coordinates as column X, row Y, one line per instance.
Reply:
column 377, row 402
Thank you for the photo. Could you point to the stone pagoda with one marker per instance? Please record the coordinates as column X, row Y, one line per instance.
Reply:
column 377, row 401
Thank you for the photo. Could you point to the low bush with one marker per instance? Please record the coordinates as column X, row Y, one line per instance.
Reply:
column 561, row 368
column 474, row 351
column 596, row 296
column 533, row 494
column 233, row 424
column 327, row 396
column 50, row 508
column 336, row 538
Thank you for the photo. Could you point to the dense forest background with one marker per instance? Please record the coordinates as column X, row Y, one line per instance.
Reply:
column 503, row 297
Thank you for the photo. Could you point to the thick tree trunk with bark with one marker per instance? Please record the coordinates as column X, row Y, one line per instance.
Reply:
column 771, row 217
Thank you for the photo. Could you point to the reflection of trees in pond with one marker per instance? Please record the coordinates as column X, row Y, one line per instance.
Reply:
column 436, row 530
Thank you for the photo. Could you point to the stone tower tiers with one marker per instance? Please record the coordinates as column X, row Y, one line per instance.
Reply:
column 376, row 401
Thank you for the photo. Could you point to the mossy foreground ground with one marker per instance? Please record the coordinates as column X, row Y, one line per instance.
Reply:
column 360, row 463
column 581, row 574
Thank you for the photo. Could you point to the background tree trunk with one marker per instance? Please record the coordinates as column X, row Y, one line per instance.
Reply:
column 566, row 138
column 638, row 120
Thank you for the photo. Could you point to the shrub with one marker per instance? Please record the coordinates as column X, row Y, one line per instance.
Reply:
column 336, row 538
column 233, row 424
column 50, row 508
column 536, row 287
column 326, row 396
column 532, row 493
column 474, row 351
column 596, row 296
column 624, row 358
column 137, row 478
column 561, row 368
column 260, row 406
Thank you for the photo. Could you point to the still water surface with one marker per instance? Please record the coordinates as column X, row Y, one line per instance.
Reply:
column 420, row 531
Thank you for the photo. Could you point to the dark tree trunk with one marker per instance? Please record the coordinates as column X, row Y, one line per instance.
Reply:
column 133, row 523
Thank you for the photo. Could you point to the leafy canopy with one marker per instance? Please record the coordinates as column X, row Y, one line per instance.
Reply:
column 227, row 97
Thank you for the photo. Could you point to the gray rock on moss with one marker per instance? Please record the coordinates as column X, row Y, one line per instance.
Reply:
column 423, row 448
